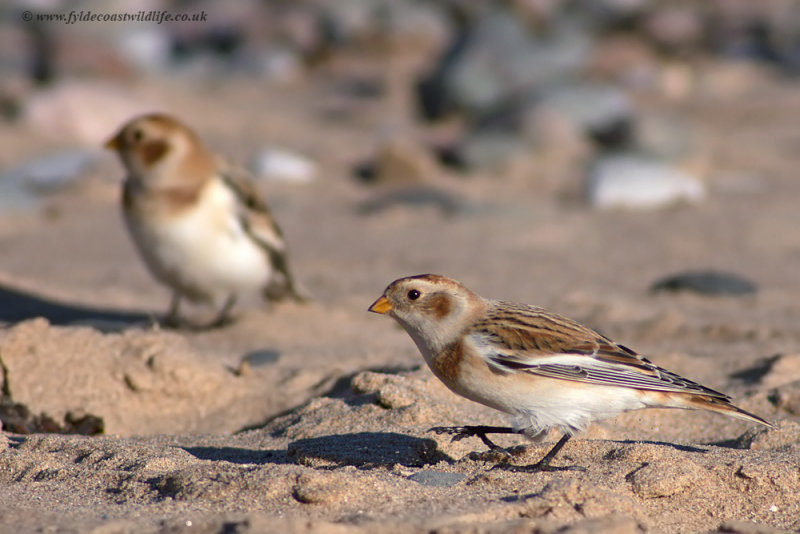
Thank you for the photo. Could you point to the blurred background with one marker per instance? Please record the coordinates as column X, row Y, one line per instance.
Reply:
column 483, row 126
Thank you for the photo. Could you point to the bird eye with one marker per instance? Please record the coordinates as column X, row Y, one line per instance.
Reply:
column 413, row 294
column 137, row 135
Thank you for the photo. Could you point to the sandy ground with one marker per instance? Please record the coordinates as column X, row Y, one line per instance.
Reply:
column 315, row 417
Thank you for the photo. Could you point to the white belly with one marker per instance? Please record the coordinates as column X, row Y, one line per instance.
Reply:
column 204, row 252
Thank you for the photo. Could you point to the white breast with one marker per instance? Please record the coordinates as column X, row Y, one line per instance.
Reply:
column 204, row 251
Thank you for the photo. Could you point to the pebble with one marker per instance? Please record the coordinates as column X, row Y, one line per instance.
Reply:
column 258, row 358
column 421, row 196
column 399, row 162
column 280, row 164
column 707, row 282
column 495, row 58
column 628, row 181
column 52, row 171
column 589, row 108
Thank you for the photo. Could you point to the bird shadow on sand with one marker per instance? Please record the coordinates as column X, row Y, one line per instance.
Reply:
column 17, row 305
column 238, row 455
column 366, row 450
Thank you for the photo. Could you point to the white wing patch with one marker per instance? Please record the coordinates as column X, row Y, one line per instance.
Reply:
column 585, row 368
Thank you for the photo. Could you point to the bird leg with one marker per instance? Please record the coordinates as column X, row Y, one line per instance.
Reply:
column 223, row 315
column 173, row 318
column 461, row 432
column 480, row 431
column 543, row 465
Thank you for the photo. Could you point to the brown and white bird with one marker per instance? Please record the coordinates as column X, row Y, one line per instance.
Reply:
column 545, row 370
column 199, row 224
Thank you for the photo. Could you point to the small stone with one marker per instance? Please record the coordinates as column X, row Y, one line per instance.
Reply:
column 708, row 282
column 258, row 358
column 52, row 171
column 281, row 164
column 589, row 109
column 391, row 391
column 487, row 150
column 393, row 396
column 627, row 181
column 444, row 202
column 440, row 479
column 399, row 162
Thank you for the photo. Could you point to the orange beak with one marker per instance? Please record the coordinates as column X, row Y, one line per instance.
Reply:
column 382, row 306
column 115, row 143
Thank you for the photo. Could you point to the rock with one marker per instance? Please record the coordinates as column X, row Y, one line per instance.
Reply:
column 494, row 58
column 706, row 282
column 627, row 181
column 675, row 28
column 52, row 171
column 487, row 150
column 441, row 479
column 146, row 46
column 417, row 197
column 281, row 164
column 601, row 112
column 399, row 162
column 391, row 391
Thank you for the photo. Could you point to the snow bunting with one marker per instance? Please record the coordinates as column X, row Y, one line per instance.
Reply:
column 545, row 370
column 200, row 225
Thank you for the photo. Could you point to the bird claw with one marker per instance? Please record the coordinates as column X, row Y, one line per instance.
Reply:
column 458, row 432
column 461, row 432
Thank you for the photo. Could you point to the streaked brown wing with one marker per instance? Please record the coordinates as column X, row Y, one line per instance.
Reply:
column 257, row 220
column 519, row 338
column 254, row 213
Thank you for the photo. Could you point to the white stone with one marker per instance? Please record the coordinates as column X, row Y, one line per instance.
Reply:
column 639, row 183
column 281, row 164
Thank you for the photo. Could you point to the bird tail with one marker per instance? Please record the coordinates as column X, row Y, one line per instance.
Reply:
column 723, row 406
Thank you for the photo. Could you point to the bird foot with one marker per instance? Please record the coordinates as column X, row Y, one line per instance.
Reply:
column 461, row 432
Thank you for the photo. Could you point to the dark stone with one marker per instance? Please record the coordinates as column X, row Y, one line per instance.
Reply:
column 706, row 283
